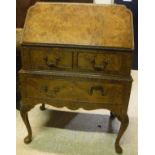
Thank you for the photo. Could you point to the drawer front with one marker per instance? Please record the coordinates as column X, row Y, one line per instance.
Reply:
column 73, row 90
column 117, row 63
column 47, row 58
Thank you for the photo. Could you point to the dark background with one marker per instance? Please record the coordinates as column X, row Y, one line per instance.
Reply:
column 133, row 6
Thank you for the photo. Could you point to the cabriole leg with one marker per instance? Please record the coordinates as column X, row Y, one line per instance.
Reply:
column 112, row 115
column 24, row 115
column 124, row 119
column 42, row 107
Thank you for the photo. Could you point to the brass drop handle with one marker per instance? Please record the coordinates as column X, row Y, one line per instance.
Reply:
column 45, row 89
column 53, row 63
column 50, row 92
column 97, row 88
column 99, row 67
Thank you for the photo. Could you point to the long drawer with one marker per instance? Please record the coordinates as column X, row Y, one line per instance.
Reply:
column 73, row 89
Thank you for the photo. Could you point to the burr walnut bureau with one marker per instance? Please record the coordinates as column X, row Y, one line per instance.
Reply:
column 77, row 56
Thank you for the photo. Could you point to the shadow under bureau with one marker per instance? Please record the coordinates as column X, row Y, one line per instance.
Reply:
column 78, row 56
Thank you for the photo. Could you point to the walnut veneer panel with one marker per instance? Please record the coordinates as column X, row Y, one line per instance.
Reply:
column 107, row 62
column 47, row 58
column 74, row 90
column 66, row 89
column 101, row 61
column 79, row 24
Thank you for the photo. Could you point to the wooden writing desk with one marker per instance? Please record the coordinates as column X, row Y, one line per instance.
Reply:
column 78, row 56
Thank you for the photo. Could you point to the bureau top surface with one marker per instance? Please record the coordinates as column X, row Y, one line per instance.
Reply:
column 89, row 25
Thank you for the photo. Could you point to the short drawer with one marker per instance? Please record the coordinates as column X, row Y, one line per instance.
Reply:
column 46, row 58
column 117, row 63
column 106, row 92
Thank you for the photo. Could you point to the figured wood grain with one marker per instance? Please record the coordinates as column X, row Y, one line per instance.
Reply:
column 74, row 90
column 101, row 61
column 41, row 58
column 94, row 46
column 105, row 62
column 79, row 24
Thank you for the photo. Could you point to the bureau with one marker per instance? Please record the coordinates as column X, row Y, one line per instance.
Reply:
column 77, row 56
